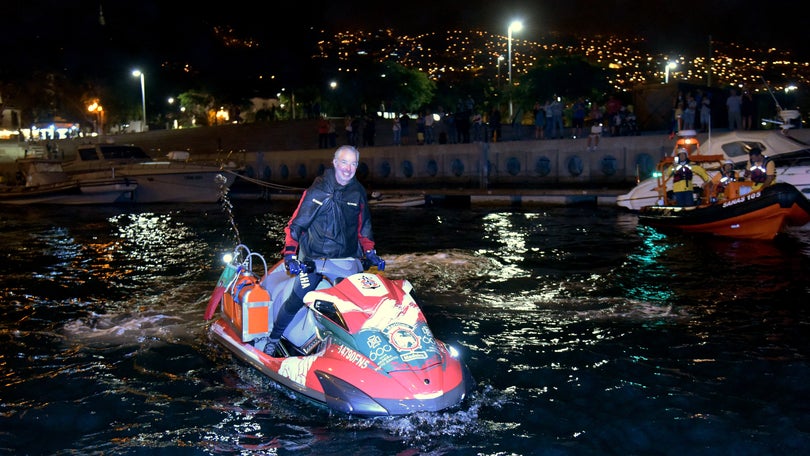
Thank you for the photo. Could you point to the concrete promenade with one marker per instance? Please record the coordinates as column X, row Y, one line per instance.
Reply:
column 517, row 171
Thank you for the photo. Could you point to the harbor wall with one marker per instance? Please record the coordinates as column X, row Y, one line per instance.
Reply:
column 286, row 153
column 512, row 164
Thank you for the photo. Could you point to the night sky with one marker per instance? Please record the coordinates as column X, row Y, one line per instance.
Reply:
column 70, row 37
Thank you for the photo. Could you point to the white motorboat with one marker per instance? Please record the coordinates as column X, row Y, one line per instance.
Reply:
column 379, row 199
column 43, row 181
column 174, row 180
column 790, row 155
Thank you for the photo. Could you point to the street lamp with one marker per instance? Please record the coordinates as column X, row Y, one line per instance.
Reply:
column 670, row 65
column 500, row 59
column 137, row 73
column 173, row 116
column 515, row 26
column 96, row 109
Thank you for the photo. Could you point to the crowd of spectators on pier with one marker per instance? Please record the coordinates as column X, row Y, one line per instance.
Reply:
column 468, row 122
column 553, row 118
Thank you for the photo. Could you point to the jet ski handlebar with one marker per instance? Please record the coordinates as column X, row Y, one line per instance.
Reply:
column 332, row 268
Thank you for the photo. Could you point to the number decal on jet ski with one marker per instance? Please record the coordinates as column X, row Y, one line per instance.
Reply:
column 353, row 356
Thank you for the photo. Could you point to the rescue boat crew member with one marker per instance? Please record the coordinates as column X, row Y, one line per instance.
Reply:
column 760, row 169
column 682, row 172
column 721, row 180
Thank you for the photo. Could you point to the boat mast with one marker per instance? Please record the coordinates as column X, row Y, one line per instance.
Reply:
column 709, row 69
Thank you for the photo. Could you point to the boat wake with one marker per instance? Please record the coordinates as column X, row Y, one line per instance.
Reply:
column 172, row 317
column 169, row 317
column 126, row 327
column 628, row 309
column 441, row 271
column 264, row 411
column 427, row 430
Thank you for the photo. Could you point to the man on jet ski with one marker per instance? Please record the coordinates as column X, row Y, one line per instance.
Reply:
column 332, row 220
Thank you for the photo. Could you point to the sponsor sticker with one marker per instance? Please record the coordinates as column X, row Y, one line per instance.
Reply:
column 369, row 282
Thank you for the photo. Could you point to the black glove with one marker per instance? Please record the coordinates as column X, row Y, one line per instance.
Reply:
column 292, row 264
column 371, row 256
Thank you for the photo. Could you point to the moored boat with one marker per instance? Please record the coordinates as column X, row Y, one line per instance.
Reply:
column 360, row 345
column 159, row 181
column 790, row 156
column 760, row 214
column 379, row 199
column 43, row 181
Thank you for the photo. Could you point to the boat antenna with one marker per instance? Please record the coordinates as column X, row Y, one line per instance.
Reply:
column 767, row 86
column 785, row 115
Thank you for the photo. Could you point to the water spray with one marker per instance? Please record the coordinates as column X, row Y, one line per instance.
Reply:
column 227, row 207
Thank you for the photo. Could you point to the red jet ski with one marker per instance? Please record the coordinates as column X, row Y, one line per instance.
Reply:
column 361, row 344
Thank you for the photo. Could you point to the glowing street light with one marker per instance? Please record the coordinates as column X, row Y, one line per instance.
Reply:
column 138, row 73
column 98, row 110
column 172, row 115
column 515, row 26
column 500, row 59
column 669, row 66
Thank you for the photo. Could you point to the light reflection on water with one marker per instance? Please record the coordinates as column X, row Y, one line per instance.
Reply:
column 586, row 334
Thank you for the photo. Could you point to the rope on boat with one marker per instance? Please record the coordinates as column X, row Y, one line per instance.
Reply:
column 262, row 183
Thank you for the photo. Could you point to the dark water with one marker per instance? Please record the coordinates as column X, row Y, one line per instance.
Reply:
column 587, row 334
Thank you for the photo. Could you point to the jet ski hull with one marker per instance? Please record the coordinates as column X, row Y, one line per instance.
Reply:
column 361, row 346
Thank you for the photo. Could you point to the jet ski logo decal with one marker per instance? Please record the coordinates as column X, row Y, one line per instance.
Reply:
column 368, row 282
column 399, row 343
column 403, row 338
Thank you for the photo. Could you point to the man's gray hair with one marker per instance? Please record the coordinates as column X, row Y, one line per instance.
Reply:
column 350, row 148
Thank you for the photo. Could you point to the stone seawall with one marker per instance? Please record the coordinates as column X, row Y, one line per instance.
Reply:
column 511, row 164
column 286, row 153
